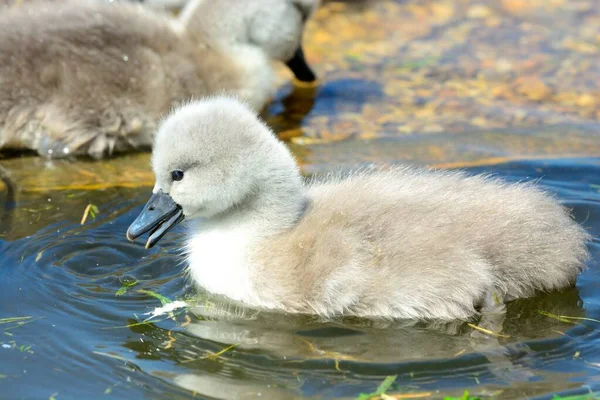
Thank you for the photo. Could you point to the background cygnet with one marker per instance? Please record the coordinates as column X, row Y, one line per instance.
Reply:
column 398, row 243
column 88, row 77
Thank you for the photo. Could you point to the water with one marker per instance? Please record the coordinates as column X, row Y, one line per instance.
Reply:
column 447, row 83
column 65, row 277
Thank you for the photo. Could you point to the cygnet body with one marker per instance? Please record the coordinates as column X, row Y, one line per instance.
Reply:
column 398, row 243
column 89, row 77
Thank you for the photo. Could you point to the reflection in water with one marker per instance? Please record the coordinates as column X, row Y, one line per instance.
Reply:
column 287, row 112
column 278, row 355
column 303, row 342
column 8, row 191
column 232, row 388
column 288, row 336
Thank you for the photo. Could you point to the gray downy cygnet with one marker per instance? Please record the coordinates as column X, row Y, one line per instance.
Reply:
column 399, row 243
column 86, row 77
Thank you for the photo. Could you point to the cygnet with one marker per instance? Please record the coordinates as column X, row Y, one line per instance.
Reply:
column 397, row 243
column 87, row 77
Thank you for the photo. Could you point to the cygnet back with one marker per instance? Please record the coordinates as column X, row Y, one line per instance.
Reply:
column 93, row 78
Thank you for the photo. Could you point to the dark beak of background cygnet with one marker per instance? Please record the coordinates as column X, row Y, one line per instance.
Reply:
column 300, row 68
column 159, row 215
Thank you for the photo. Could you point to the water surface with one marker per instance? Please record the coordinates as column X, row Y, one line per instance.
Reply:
column 506, row 87
column 67, row 278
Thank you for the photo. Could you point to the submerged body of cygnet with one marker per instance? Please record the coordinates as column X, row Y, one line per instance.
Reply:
column 89, row 77
column 398, row 243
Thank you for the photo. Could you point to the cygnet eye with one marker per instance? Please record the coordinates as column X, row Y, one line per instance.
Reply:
column 177, row 175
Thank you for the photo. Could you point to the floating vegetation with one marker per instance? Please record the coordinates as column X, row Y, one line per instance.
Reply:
column 336, row 356
column 169, row 343
column 45, row 207
column 148, row 321
column 466, row 396
column 126, row 285
column 400, row 396
column 381, row 392
column 13, row 319
column 487, row 331
column 16, row 322
column 168, row 306
column 164, row 300
column 566, row 318
column 381, row 389
column 91, row 210
column 24, row 348
column 211, row 356
column 586, row 396
column 460, row 353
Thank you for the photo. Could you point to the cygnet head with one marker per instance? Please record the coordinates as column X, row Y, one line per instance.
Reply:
column 275, row 27
column 211, row 158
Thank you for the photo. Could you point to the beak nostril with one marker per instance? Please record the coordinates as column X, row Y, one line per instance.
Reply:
column 151, row 208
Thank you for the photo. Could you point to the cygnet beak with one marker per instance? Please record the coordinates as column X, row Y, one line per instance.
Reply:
column 297, row 64
column 159, row 215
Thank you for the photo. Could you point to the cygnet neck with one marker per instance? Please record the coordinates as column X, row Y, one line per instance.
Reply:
column 273, row 207
column 255, row 76
column 198, row 22
column 201, row 33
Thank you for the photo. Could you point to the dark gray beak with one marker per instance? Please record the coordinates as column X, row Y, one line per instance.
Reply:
column 159, row 215
column 297, row 64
